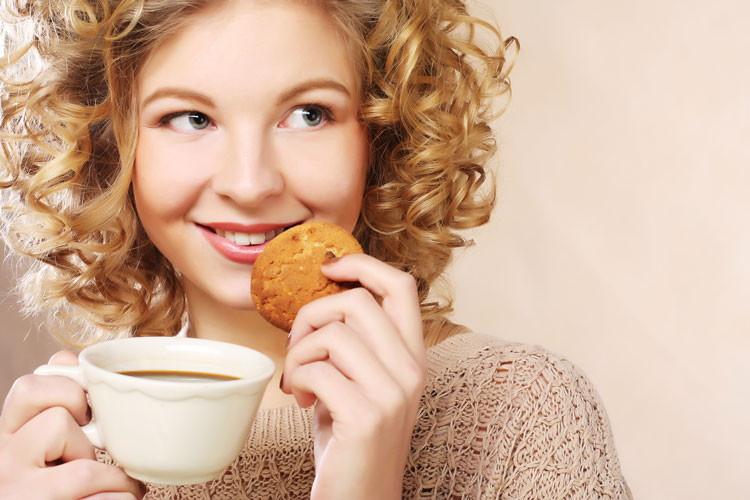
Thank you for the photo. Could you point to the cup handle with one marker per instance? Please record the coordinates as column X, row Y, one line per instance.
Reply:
column 75, row 373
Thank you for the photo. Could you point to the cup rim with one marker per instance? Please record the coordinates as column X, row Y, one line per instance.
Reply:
column 264, row 372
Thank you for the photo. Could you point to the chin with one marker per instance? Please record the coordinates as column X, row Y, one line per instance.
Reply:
column 240, row 302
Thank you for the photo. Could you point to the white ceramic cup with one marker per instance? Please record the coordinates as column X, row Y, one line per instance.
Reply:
column 166, row 431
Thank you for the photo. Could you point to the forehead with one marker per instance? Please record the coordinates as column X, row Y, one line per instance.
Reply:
column 274, row 41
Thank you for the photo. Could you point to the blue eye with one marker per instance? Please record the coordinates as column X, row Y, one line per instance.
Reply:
column 198, row 121
column 312, row 116
column 186, row 121
column 308, row 116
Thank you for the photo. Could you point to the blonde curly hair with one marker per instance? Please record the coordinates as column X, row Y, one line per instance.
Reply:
column 69, row 130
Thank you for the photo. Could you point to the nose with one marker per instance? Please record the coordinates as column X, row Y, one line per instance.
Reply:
column 247, row 171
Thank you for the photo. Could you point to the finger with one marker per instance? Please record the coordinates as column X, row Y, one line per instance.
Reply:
column 63, row 358
column 89, row 478
column 322, row 381
column 347, row 352
column 111, row 496
column 355, row 415
column 397, row 289
column 51, row 436
column 32, row 394
column 361, row 313
column 356, row 307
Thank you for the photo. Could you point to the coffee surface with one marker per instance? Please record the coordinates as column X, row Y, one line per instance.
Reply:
column 179, row 376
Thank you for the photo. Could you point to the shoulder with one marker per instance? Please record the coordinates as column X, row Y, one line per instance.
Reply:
column 486, row 355
column 532, row 414
column 519, row 380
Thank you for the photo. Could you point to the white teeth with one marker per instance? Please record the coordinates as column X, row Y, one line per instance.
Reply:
column 254, row 239
column 246, row 239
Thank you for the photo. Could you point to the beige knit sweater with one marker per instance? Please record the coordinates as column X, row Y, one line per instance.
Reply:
column 497, row 421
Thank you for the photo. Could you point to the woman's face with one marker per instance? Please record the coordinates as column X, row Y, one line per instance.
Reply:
column 248, row 124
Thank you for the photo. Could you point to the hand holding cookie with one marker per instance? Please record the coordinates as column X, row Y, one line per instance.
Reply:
column 357, row 353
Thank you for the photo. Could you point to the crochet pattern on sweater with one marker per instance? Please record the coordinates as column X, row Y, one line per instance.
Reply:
column 497, row 420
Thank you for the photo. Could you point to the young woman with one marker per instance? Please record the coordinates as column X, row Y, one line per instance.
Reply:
column 151, row 148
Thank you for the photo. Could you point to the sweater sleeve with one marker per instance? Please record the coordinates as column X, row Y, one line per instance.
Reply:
column 558, row 436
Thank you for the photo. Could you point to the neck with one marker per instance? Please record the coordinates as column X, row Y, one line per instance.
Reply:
column 213, row 321
column 245, row 328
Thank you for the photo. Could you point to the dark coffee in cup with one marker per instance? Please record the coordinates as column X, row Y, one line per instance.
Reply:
column 180, row 376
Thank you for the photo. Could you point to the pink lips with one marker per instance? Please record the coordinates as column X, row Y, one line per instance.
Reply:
column 232, row 251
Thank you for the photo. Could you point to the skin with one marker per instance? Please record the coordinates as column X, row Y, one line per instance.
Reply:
column 43, row 452
column 228, row 136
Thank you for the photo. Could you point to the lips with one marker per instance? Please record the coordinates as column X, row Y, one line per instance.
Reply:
column 240, row 243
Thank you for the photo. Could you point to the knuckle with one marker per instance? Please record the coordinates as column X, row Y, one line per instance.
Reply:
column 58, row 420
column 320, row 368
column 303, row 311
column 84, row 471
column 359, row 294
column 25, row 386
column 306, row 372
column 407, row 282
column 414, row 378
column 336, row 331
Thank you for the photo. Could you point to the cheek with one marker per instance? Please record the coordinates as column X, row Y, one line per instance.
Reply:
column 332, row 179
column 166, row 180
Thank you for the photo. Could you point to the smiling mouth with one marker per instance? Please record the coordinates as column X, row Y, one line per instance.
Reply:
column 248, row 239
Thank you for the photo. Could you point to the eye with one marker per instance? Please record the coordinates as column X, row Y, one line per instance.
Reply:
column 308, row 116
column 186, row 121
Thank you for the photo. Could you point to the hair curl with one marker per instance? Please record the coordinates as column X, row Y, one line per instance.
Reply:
column 68, row 130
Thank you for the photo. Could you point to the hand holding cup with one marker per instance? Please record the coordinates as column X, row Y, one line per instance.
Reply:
column 170, row 410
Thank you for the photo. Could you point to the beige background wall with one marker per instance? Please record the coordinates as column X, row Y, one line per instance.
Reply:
column 622, row 236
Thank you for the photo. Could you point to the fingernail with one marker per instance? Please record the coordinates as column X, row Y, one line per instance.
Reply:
column 331, row 261
column 288, row 339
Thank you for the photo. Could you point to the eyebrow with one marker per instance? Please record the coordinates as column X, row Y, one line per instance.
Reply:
column 178, row 93
column 315, row 84
column 191, row 95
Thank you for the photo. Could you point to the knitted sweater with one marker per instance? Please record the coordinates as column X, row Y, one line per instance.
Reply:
column 496, row 421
